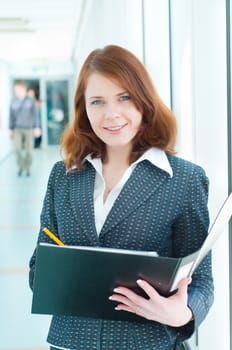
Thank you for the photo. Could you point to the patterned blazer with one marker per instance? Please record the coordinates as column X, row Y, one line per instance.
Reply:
column 153, row 212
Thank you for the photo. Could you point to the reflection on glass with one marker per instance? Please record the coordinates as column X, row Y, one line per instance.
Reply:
column 57, row 109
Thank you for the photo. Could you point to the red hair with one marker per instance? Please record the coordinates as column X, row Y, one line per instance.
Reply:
column 158, row 127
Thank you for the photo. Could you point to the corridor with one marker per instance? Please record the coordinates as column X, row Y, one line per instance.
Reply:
column 20, row 205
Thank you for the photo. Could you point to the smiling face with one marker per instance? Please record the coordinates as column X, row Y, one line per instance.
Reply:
column 111, row 112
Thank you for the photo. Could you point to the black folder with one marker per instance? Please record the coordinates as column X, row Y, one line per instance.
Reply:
column 75, row 280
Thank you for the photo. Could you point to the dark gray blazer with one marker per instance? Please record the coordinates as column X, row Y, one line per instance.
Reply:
column 153, row 212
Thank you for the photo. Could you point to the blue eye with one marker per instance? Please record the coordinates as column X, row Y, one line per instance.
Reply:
column 125, row 98
column 96, row 102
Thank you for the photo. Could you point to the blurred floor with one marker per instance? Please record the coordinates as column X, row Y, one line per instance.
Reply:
column 20, row 205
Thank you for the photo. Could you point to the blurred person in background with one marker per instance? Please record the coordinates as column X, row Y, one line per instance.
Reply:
column 24, row 125
column 31, row 93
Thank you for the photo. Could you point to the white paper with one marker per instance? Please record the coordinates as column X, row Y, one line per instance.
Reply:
column 217, row 228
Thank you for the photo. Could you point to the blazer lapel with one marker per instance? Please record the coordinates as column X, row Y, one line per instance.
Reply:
column 144, row 181
column 81, row 198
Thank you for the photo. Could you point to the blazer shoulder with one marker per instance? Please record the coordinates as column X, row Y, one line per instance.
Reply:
column 58, row 170
column 59, row 166
column 183, row 166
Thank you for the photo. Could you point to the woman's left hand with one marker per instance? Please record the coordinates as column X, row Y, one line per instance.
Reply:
column 172, row 311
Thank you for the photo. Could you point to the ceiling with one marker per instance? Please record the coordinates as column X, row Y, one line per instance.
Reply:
column 38, row 30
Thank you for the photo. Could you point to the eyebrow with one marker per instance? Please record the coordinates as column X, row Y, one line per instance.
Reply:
column 91, row 97
column 96, row 97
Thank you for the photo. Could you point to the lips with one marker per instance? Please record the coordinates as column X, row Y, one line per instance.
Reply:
column 115, row 128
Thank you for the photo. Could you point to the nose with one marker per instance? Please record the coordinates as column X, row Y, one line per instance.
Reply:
column 112, row 111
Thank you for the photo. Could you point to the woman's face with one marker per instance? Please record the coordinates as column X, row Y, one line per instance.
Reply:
column 111, row 112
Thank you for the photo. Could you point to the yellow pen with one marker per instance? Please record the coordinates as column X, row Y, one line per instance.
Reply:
column 52, row 236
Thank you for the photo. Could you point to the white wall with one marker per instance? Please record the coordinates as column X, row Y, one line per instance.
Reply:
column 199, row 72
column 5, row 142
column 109, row 22
column 183, row 74
column 41, row 68
column 157, row 58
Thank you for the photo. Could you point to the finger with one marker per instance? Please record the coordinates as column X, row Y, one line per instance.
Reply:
column 148, row 289
column 185, row 282
column 183, row 286
column 125, row 304
column 122, row 307
column 122, row 300
column 128, row 293
column 135, row 310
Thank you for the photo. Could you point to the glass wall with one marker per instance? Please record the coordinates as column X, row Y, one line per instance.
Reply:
column 57, row 109
column 199, row 91
column 229, row 127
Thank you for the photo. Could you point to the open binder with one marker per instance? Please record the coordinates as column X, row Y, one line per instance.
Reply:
column 76, row 280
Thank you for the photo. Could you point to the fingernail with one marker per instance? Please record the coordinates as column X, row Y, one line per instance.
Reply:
column 139, row 282
column 110, row 297
column 116, row 290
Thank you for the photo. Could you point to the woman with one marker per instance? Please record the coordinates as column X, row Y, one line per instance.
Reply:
column 121, row 185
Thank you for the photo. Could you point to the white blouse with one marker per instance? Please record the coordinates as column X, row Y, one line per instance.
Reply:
column 154, row 155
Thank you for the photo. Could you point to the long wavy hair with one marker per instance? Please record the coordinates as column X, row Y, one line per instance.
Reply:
column 158, row 127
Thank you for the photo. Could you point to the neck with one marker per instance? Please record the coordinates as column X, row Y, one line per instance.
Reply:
column 118, row 156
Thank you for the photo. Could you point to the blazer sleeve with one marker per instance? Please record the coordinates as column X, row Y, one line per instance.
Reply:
column 47, row 219
column 11, row 118
column 190, row 231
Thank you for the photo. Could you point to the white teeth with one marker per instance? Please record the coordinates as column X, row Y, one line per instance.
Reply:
column 114, row 128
